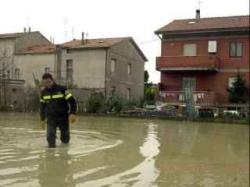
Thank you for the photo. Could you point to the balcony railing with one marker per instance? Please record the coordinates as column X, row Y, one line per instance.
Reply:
column 187, row 63
column 202, row 98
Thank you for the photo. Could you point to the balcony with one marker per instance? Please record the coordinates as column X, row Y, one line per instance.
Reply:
column 187, row 63
column 201, row 98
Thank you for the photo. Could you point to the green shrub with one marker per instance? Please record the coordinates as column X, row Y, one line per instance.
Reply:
column 114, row 104
column 95, row 103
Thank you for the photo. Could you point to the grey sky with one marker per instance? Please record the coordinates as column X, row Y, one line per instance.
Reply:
column 110, row 18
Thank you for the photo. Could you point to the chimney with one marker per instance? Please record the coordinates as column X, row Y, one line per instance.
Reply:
column 24, row 29
column 29, row 29
column 83, row 40
column 198, row 14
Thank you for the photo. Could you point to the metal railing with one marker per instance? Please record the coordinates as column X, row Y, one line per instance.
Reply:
column 177, row 97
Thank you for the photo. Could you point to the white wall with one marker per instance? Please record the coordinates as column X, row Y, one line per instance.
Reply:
column 88, row 67
column 35, row 63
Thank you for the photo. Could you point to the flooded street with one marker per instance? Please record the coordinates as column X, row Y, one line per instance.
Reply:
column 124, row 152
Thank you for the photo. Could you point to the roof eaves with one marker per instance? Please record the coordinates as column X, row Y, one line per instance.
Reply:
column 213, row 30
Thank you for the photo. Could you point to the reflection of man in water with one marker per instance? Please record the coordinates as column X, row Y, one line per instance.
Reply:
column 54, row 106
column 54, row 170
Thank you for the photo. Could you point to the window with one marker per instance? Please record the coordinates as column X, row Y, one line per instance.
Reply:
column 129, row 68
column 212, row 46
column 17, row 74
column 128, row 94
column 235, row 49
column 113, row 62
column 47, row 70
column 231, row 81
column 189, row 50
column 68, row 51
column 69, row 71
column 8, row 74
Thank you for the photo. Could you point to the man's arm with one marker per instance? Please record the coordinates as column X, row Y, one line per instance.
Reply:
column 72, row 102
column 42, row 109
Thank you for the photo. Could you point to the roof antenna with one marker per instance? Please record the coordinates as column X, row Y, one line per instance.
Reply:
column 87, row 35
column 72, row 32
column 198, row 11
column 65, row 29
column 28, row 24
column 199, row 4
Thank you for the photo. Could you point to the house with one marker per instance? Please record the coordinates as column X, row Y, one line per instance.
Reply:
column 203, row 55
column 12, row 77
column 105, row 64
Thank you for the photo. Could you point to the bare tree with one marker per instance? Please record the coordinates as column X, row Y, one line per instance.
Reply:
column 6, row 65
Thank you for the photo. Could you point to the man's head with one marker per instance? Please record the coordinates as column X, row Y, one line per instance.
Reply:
column 48, row 80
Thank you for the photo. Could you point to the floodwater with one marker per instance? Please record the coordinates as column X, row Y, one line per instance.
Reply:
column 125, row 152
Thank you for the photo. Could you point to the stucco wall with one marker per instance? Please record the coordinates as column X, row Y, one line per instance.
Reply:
column 7, row 50
column 88, row 67
column 125, row 53
column 36, row 64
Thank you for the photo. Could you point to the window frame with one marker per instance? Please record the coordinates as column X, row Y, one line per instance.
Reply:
column 17, row 73
column 235, row 55
column 129, row 69
column 113, row 65
column 69, row 71
column 190, row 44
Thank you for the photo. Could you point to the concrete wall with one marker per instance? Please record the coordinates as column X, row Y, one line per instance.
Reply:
column 88, row 67
column 36, row 64
column 125, row 53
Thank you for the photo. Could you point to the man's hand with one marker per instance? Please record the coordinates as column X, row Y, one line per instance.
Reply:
column 43, row 124
column 72, row 118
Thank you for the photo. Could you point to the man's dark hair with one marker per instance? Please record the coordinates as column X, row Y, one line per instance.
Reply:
column 47, row 76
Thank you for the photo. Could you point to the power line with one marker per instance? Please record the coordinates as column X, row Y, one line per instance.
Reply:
column 148, row 41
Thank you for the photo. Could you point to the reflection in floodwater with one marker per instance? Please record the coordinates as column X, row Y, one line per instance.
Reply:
column 106, row 152
column 142, row 175
column 58, row 162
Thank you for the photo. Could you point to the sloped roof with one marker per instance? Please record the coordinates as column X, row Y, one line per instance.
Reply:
column 14, row 35
column 94, row 43
column 232, row 22
column 40, row 49
column 101, row 43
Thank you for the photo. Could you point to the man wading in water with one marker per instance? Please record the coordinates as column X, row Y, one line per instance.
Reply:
column 55, row 110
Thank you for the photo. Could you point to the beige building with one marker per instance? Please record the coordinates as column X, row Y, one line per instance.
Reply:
column 106, row 65
column 14, row 69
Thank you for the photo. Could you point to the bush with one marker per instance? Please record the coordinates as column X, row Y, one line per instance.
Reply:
column 95, row 103
column 114, row 104
column 238, row 93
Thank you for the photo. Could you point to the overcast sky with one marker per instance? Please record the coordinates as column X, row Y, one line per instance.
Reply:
column 65, row 19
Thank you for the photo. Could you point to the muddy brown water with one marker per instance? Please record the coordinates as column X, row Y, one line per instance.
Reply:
column 124, row 152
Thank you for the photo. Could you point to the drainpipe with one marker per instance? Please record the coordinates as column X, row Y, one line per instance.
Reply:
column 105, row 78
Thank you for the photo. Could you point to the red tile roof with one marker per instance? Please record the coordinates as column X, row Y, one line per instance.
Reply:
column 94, row 43
column 40, row 49
column 101, row 43
column 232, row 22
